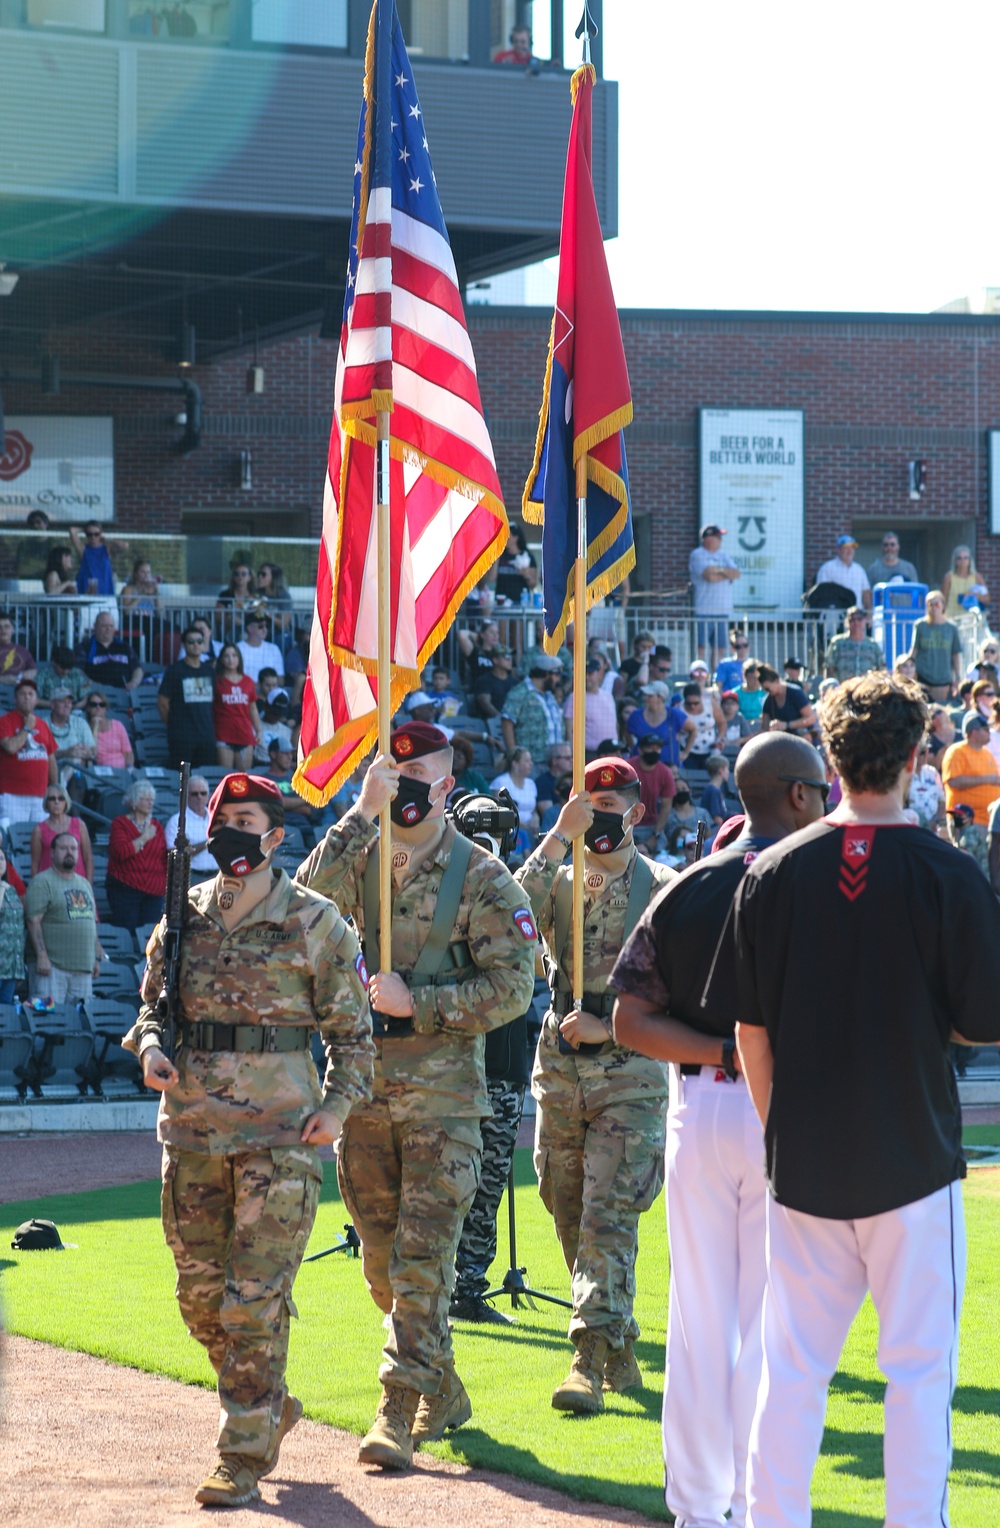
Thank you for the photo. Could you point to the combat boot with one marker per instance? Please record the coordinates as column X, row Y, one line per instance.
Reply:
column 232, row 1483
column 580, row 1391
column 291, row 1412
column 475, row 1308
column 621, row 1372
column 440, row 1413
column 390, row 1441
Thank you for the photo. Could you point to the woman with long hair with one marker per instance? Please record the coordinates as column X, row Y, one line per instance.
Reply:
column 962, row 584
column 937, row 648
column 137, row 861
column 234, row 711
column 44, row 833
column 141, row 595
column 234, row 599
column 59, row 577
column 519, row 782
column 114, row 747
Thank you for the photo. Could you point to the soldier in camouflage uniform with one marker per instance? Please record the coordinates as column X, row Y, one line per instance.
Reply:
column 264, row 962
column 409, row 1160
column 600, row 1126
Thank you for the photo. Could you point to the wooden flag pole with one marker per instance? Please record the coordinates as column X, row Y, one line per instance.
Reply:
column 384, row 682
column 579, row 713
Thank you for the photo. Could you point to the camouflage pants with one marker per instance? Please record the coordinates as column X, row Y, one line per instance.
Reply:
column 238, row 1226
column 972, row 840
column 408, row 1186
column 477, row 1245
column 598, row 1171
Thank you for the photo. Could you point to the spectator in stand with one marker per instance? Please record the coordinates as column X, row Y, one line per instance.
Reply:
column 467, row 778
column 61, row 673
column 904, row 667
column 275, row 722
column 987, row 665
column 271, row 587
column 448, row 703
column 657, row 788
column 962, row 703
column 703, row 724
column 114, row 747
column 27, row 758
column 62, row 924
column 600, row 712
column 635, row 669
column 141, row 595
column 95, row 574
column 787, row 708
column 942, row 735
column 59, row 821
column 531, row 717
column 926, row 793
column 853, row 652
column 683, row 820
column 657, row 718
column 295, row 661
column 962, row 586
column 970, row 776
column 795, row 673
column 516, row 569
column 519, row 53
column 234, row 711
column 267, row 680
column 137, row 861
column 558, row 762
column 256, row 650
column 106, row 659
column 751, row 694
column 658, row 669
column 212, row 646
column 75, row 741
column 843, row 570
column 713, row 573
column 235, row 598
column 890, row 567
column 729, row 674
column 298, row 813
column 476, row 651
column 196, row 828
column 736, row 728
column 59, row 578
column 713, row 797
column 494, row 684
column 561, row 792
column 517, row 779
column 11, row 934
column 185, row 703
column 15, row 661
column 937, row 649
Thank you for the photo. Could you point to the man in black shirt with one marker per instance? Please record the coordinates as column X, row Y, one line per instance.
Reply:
column 106, row 659
column 859, row 1103
column 492, row 685
column 677, row 1003
column 184, row 702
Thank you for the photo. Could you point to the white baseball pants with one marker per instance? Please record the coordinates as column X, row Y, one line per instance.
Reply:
column 913, row 1261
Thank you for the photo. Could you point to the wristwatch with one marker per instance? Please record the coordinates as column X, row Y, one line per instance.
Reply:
column 560, row 838
column 729, row 1058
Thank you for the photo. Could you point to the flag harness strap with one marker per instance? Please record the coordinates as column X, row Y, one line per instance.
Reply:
column 638, row 901
column 430, row 969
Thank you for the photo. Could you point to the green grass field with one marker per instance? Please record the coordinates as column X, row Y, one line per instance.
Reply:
column 112, row 1295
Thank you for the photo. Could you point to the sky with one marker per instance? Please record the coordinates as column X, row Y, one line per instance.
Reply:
column 798, row 156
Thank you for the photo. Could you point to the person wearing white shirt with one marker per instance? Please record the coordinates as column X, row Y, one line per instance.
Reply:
column 257, row 652
column 195, row 826
column 843, row 570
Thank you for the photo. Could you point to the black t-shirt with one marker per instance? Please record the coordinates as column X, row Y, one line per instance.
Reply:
column 860, row 949
column 494, row 686
column 795, row 702
column 680, row 954
column 189, row 720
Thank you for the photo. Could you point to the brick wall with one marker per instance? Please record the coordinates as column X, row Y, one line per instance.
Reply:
column 875, row 391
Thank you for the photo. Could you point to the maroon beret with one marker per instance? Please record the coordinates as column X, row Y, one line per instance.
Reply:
column 728, row 833
column 609, row 774
column 241, row 787
column 414, row 739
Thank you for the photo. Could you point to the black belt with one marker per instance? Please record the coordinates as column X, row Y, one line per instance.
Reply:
column 599, row 1004
column 259, row 1038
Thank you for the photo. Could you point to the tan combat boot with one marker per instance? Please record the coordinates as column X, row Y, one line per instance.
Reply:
column 389, row 1443
column 621, row 1372
column 291, row 1412
column 581, row 1390
column 232, row 1483
column 439, row 1413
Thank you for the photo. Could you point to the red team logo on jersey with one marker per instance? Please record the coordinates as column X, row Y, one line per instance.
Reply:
column 855, row 858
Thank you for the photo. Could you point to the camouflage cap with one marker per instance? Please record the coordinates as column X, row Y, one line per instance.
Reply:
column 416, row 739
column 609, row 774
column 240, row 787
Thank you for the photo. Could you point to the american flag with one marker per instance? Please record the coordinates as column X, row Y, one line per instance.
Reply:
column 404, row 346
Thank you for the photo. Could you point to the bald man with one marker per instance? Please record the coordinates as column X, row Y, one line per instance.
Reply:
column 676, row 982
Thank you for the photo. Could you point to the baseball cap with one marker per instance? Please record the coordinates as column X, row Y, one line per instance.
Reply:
column 37, row 1236
column 415, row 739
column 61, row 692
column 240, row 787
column 546, row 663
column 972, row 722
column 962, row 813
column 700, row 666
column 656, row 687
column 713, row 530
column 417, row 699
column 594, row 665
column 608, row 774
column 846, row 541
column 794, row 663
column 732, row 695
column 26, row 684
column 501, row 650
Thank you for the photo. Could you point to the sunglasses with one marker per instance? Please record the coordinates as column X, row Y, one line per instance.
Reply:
column 197, row 793
column 97, row 705
column 816, row 785
column 94, row 535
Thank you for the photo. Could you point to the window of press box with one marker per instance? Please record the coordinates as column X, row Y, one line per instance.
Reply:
column 299, row 23
column 207, row 21
column 71, row 15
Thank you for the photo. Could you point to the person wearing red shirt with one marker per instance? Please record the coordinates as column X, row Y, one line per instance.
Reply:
column 657, row 789
column 234, row 711
column 27, row 758
column 137, row 861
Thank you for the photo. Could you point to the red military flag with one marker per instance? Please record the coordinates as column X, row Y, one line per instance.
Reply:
column 404, row 348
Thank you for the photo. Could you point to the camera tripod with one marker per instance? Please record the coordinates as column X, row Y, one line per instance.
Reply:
column 350, row 1243
column 514, row 1282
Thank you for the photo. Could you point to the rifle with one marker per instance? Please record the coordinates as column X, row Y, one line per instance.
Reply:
column 175, row 913
column 699, row 847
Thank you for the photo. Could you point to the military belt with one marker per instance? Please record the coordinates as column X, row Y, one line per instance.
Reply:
column 260, row 1038
column 599, row 1004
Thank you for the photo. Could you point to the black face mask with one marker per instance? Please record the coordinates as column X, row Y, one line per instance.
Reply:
column 235, row 852
column 682, row 799
column 411, row 803
column 649, row 755
column 606, row 832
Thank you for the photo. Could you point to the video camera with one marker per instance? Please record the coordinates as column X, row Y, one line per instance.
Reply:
column 491, row 821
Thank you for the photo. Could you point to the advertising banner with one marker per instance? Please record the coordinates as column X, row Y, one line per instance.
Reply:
column 751, row 483
column 62, row 465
